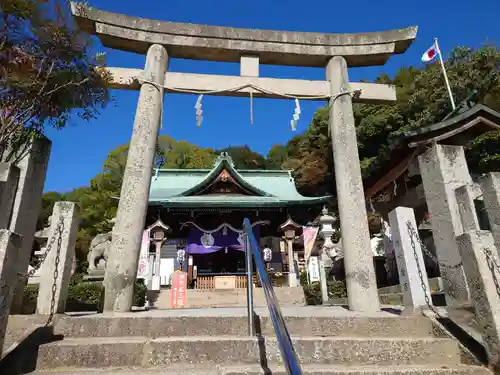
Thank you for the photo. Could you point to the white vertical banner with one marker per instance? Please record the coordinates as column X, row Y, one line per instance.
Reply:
column 313, row 268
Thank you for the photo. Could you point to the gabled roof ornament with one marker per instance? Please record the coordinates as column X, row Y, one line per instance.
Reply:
column 289, row 224
column 224, row 156
column 159, row 224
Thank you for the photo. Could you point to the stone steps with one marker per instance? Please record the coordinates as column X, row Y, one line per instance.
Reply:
column 157, row 326
column 328, row 340
column 212, row 350
column 276, row 370
column 19, row 326
column 230, row 298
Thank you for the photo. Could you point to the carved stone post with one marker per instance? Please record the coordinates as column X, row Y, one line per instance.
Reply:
column 480, row 260
column 491, row 197
column 9, row 177
column 412, row 274
column 361, row 283
column 443, row 169
column 27, row 205
column 121, row 268
column 290, row 227
column 63, row 228
column 10, row 243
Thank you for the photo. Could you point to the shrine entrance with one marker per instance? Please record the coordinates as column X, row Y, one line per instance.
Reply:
column 227, row 261
column 161, row 41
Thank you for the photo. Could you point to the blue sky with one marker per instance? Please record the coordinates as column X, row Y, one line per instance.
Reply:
column 79, row 151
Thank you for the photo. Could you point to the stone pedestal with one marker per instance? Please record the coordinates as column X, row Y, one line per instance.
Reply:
column 95, row 275
column 409, row 258
column 121, row 269
column 9, row 177
column 59, row 261
column 27, row 205
column 323, row 282
column 10, row 243
column 478, row 253
column 360, row 273
column 491, row 198
column 443, row 169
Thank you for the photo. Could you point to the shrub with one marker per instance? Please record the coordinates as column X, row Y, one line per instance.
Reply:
column 85, row 294
column 140, row 293
column 312, row 292
column 82, row 296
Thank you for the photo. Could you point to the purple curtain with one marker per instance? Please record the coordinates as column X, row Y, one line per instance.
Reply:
column 200, row 242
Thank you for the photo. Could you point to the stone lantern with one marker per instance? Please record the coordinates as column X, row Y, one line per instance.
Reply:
column 327, row 223
column 158, row 235
column 290, row 228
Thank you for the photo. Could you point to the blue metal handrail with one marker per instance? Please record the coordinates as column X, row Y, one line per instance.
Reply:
column 288, row 354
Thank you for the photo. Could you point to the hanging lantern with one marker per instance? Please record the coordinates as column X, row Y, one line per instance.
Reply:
column 268, row 254
column 181, row 254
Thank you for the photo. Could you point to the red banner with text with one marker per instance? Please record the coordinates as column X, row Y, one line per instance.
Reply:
column 178, row 297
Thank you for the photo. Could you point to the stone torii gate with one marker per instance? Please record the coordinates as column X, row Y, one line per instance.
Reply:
column 161, row 41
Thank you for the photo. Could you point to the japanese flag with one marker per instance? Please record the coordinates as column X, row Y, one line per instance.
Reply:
column 431, row 53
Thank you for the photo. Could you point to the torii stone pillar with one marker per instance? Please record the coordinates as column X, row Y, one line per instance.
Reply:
column 123, row 259
column 361, row 283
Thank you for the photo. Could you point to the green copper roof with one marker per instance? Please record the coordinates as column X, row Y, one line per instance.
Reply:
column 173, row 187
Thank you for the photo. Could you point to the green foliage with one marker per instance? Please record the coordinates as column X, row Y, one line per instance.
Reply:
column 244, row 158
column 276, row 156
column 48, row 201
column 312, row 292
column 140, row 293
column 82, row 296
column 422, row 100
column 85, row 293
column 46, row 73
column 483, row 153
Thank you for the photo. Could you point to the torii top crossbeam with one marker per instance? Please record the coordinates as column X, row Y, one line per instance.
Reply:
column 227, row 44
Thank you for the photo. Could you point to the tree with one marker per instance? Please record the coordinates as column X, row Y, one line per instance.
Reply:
column 276, row 156
column 46, row 73
column 422, row 100
column 244, row 158
column 48, row 201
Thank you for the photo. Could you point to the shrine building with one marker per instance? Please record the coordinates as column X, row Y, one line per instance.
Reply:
column 201, row 211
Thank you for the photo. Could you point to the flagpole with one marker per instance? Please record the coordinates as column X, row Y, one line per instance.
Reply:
column 445, row 75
